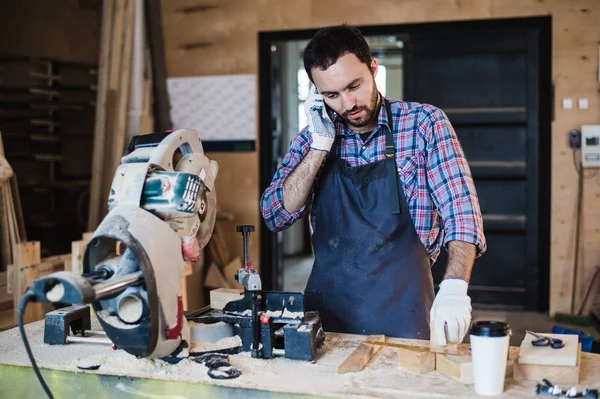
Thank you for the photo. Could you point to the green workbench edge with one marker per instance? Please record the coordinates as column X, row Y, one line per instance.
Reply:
column 21, row 382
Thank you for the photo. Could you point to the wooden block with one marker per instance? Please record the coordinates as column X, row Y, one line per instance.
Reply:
column 77, row 250
column 417, row 361
column 565, row 356
column 459, row 368
column 24, row 254
column 27, row 253
column 220, row 297
column 555, row 374
column 361, row 355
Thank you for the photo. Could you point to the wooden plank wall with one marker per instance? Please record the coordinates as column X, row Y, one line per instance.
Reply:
column 68, row 30
column 219, row 37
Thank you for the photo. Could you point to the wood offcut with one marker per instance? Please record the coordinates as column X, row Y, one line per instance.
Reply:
column 361, row 355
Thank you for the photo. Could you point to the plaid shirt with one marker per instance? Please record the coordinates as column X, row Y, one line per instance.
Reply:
column 435, row 176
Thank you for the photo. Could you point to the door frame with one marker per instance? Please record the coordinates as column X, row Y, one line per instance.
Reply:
column 271, row 245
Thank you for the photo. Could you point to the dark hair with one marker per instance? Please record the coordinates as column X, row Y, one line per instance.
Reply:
column 330, row 43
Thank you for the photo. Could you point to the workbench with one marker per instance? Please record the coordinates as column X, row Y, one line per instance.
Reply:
column 122, row 375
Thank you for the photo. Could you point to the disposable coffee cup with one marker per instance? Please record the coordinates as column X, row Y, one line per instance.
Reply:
column 489, row 350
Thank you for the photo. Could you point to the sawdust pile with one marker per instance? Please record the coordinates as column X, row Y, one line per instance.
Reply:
column 225, row 343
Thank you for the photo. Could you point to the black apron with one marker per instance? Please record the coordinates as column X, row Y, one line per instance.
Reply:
column 371, row 273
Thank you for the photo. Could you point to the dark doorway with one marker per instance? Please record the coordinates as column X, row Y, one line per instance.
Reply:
column 493, row 80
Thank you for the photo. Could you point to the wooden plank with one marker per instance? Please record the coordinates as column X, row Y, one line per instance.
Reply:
column 9, row 279
column 124, row 90
column 117, row 42
column 18, row 208
column 555, row 374
column 24, row 254
column 222, row 296
column 77, row 248
column 5, row 246
column 77, row 251
column 361, row 355
column 162, row 108
column 417, row 362
column 566, row 356
column 460, row 349
column 12, row 217
column 98, row 154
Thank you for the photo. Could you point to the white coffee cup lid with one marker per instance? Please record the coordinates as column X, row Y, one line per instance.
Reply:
column 489, row 328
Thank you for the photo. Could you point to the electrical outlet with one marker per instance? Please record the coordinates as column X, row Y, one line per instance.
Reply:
column 575, row 139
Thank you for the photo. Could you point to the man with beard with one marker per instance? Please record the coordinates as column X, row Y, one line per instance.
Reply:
column 389, row 186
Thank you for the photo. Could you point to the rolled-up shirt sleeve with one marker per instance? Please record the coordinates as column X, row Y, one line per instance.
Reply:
column 450, row 181
column 271, row 203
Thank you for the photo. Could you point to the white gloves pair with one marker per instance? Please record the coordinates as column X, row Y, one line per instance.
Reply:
column 320, row 125
column 452, row 307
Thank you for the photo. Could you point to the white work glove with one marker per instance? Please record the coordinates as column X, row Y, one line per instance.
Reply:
column 452, row 306
column 320, row 125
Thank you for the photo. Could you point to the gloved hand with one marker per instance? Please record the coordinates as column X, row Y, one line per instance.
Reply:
column 452, row 306
column 320, row 125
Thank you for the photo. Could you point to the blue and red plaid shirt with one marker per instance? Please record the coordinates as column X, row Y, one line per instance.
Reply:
column 436, row 178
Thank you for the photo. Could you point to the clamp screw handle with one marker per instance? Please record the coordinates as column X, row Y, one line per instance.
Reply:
column 245, row 230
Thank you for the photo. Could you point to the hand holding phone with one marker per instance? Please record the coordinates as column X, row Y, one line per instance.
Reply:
column 320, row 125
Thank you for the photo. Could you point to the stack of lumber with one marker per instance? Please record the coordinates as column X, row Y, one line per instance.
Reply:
column 124, row 96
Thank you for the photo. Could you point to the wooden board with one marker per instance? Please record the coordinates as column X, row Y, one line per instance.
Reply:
column 555, row 374
column 566, row 356
column 220, row 297
column 361, row 355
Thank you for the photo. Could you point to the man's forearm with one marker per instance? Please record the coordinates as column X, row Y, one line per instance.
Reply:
column 461, row 256
column 297, row 185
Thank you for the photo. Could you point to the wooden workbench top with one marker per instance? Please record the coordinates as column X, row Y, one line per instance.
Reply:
column 381, row 378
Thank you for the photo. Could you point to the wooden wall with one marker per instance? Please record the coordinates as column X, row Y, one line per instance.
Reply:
column 225, row 34
column 67, row 30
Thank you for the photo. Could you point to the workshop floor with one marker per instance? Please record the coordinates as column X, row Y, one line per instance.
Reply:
column 297, row 270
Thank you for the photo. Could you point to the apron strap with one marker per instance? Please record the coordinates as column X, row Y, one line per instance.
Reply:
column 390, row 160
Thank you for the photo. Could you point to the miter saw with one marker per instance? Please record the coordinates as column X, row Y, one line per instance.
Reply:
column 162, row 210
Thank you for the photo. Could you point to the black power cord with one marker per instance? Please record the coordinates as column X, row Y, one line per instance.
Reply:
column 30, row 297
